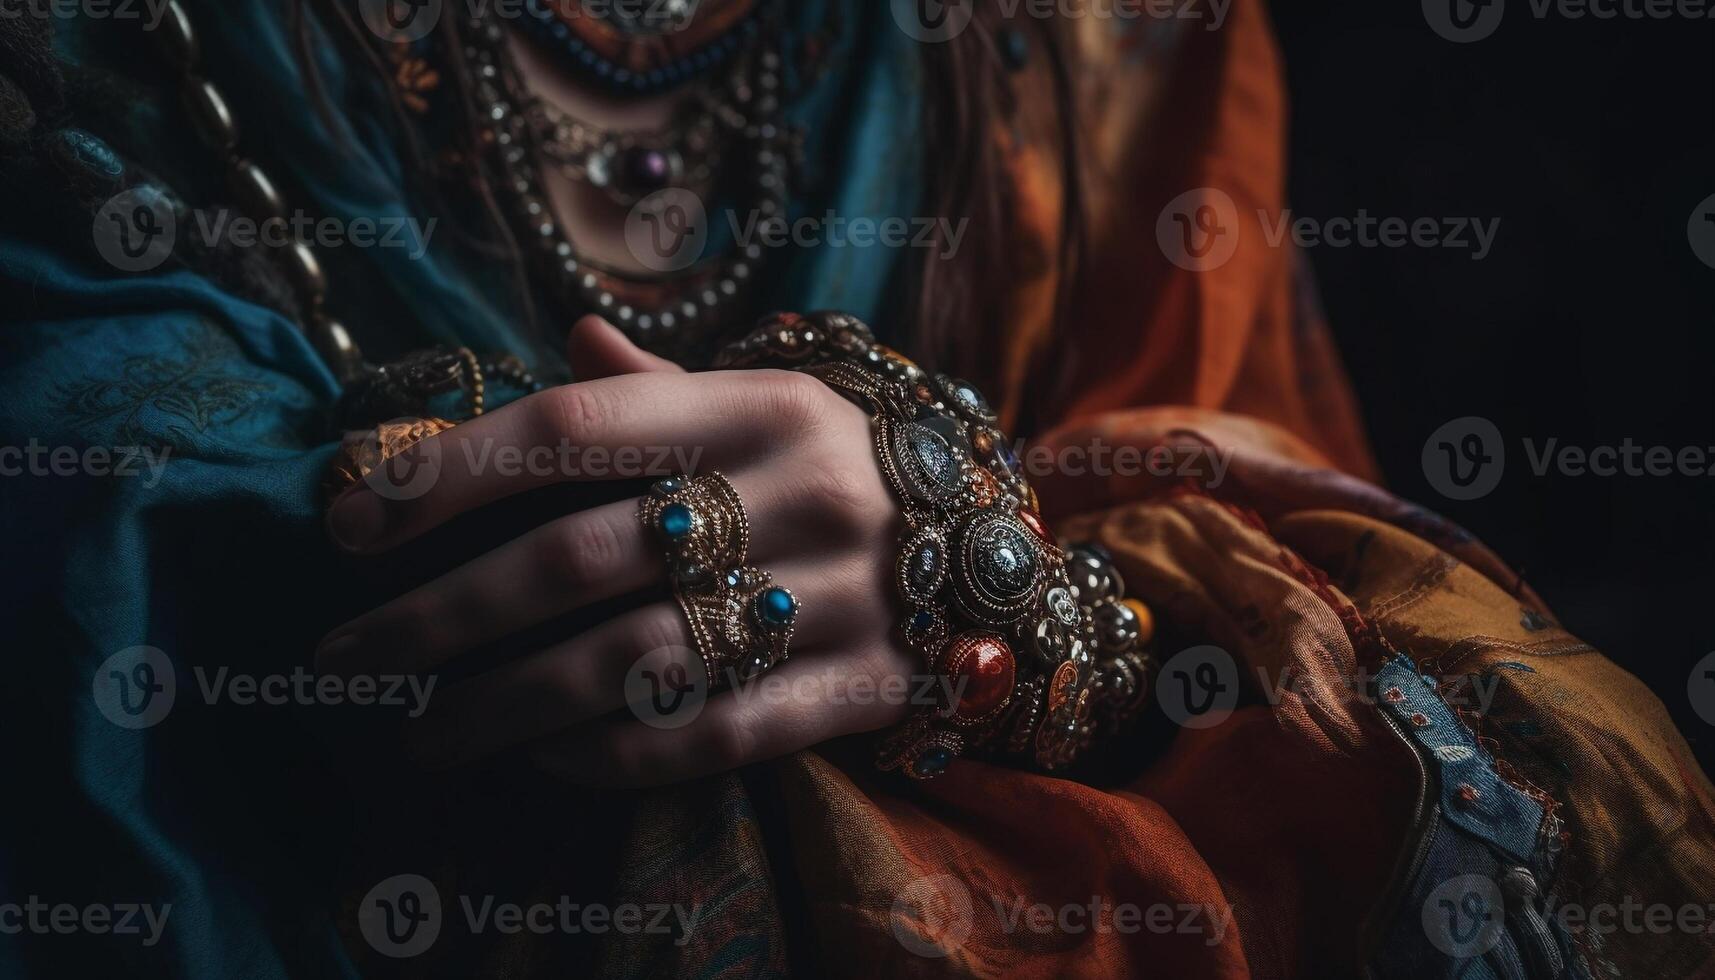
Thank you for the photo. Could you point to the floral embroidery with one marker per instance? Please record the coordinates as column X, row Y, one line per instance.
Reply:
column 168, row 398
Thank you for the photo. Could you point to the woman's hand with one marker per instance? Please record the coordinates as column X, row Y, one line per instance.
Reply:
column 823, row 522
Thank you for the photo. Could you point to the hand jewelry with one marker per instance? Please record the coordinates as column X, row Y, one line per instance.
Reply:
column 362, row 454
column 741, row 622
column 1040, row 652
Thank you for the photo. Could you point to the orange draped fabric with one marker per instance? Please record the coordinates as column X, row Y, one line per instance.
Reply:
column 1265, row 845
column 1158, row 120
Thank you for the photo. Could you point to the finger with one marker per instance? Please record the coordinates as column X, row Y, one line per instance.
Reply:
column 801, row 703
column 552, row 570
column 567, row 684
column 587, row 676
column 597, row 349
column 654, row 421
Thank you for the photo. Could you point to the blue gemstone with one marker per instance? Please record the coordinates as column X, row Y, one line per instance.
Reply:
column 676, row 521
column 922, row 621
column 777, row 606
column 733, row 579
column 933, row 761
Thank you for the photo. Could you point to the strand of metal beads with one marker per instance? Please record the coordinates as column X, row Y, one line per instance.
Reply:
column 253, row 189
column 374, row 394
column 1040, row 658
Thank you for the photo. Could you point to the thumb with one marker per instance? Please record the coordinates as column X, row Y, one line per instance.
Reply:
column 597, row 349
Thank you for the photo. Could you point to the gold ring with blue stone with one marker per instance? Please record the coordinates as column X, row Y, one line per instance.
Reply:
column 740, row 621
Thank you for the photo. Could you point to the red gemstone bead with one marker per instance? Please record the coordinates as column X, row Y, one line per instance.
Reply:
column 1033, row 520
column 982, row 670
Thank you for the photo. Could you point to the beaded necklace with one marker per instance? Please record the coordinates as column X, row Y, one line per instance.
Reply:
column 742, row 114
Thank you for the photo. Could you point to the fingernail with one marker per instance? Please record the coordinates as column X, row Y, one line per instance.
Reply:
column 357, row 519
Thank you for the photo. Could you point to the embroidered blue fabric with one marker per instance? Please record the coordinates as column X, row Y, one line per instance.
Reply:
column 209, row 546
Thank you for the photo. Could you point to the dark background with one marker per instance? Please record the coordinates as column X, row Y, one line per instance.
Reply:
column 1591, row 318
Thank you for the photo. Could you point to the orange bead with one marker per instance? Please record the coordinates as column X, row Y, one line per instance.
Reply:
column 1145, row 620
column 890, row 352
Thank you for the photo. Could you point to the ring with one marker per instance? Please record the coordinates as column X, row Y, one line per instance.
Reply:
column 740, row 621
column 363, row 452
